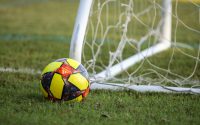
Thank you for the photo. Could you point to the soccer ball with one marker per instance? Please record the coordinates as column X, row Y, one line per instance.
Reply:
column 65, row 79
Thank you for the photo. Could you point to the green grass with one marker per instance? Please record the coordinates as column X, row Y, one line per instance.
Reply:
column 34, row 33
column 22, row 103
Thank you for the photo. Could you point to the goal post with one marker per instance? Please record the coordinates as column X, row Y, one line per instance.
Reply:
column 113, row 68
column 80, row 29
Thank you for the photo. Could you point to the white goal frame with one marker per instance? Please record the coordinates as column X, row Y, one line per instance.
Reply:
column 163, row 44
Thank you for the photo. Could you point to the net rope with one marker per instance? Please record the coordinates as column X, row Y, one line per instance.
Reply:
column 118, row 29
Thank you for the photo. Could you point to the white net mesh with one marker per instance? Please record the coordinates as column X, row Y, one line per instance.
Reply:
column 118, row 29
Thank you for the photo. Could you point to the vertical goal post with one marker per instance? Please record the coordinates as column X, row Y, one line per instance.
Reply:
column 80, row 29
column 163, row 43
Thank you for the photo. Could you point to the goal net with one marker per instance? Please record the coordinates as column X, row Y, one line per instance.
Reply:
column 145, row 45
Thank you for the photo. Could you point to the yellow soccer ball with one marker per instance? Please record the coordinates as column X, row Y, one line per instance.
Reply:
column 65, row 79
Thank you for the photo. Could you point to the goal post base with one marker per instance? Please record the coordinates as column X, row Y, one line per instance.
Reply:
column 143, row 88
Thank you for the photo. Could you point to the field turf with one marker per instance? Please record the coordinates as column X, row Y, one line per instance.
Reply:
column 36, row 32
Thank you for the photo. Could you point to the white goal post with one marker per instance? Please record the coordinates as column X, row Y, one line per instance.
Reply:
column 164, row 42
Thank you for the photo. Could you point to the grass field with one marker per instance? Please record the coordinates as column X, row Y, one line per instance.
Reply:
column 36, row 32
